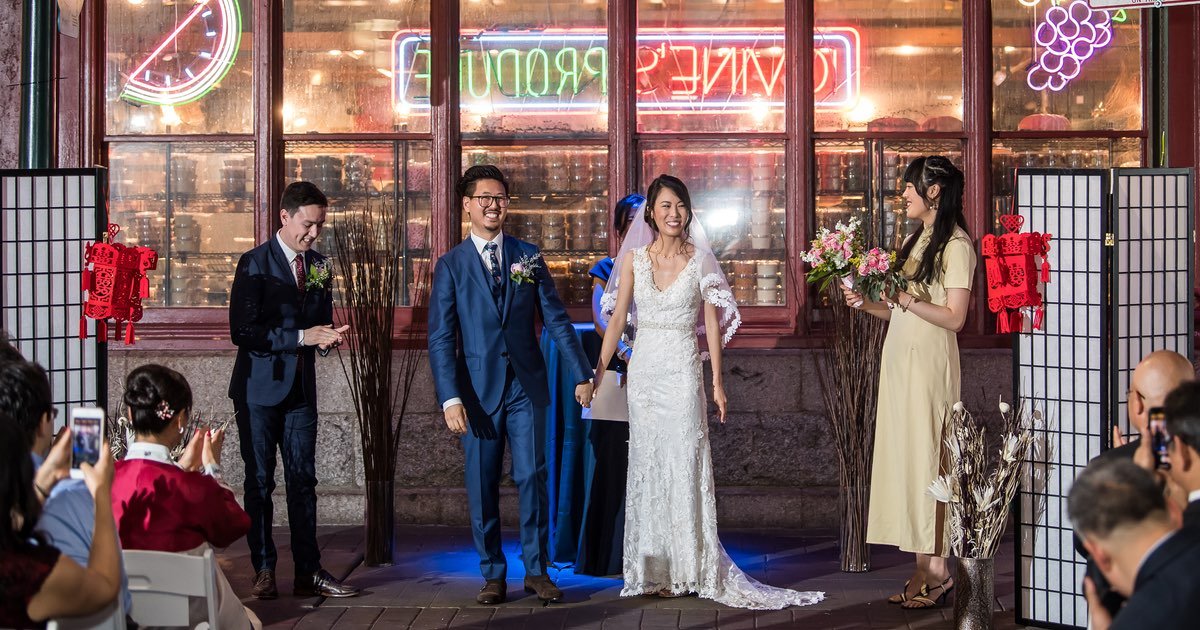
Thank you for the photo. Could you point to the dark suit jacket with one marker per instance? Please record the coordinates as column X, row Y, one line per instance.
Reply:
column 1191, row 517
column 472, row 342
column 1166, row 594
column 266, row 314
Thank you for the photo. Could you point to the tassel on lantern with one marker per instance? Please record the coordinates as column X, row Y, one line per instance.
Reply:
column 1018, row 322
column 129, row 333
column 1038, row 314
column 102, row 330
column 144, row 289
column 82, row 327
column 1045, row 270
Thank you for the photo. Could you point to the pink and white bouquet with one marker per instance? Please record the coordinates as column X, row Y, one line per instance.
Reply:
column 877, row 274
column 832, row 253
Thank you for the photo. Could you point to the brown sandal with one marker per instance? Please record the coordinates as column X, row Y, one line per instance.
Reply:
column 903, row 595
column 924, row 601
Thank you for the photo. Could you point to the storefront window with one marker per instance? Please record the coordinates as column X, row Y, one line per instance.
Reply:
column 1063, row 66
column 896, row 67
column 384, row 179
column 193, row 203
column 533, row 67
column 356, row 69
column 559, row 203
column 178, row 68
column 738, row 193
column 1008, row 155
column 705, row 66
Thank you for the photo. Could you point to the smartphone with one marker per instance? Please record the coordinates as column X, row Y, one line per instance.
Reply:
column 1159, row 438
column 87, row 435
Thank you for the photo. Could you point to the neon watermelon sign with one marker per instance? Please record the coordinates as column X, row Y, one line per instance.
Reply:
column 192, row 59
column 679, row 71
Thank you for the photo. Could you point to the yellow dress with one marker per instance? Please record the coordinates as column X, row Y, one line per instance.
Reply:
column 919, row 381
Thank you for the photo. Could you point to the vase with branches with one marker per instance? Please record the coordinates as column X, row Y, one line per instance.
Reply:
column 978, row 491
column 372, row 274
column 849, row 376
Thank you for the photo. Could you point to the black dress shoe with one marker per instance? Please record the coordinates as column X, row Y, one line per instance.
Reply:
column 543, row 587
column 323, row 584
column 492, row 593
column 264, row 585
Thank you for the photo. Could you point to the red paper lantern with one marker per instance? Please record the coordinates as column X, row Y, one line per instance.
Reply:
column 114, row 280
column 1015, row 263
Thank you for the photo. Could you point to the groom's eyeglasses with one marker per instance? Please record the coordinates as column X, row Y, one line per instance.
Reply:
column 486, row 201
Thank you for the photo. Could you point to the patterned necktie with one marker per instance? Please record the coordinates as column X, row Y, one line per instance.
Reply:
column 494, row 263
column 298, row 267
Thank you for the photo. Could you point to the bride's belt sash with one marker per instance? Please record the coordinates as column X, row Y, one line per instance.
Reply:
column 679, row 326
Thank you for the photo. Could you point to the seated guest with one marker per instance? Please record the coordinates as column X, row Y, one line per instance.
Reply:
column 69, row 512
column 161, row 506
column 37, row 582
column 1182, row 409
column 1119, row 511
column 1154, row 377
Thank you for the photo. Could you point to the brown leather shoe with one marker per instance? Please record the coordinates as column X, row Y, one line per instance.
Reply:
column 325, row 585
column 264, row 585
column 543, row 587
column 492, row 593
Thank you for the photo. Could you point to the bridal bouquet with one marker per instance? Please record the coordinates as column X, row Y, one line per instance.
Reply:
column 832, row 253
column 978, row 491
column 840, row 254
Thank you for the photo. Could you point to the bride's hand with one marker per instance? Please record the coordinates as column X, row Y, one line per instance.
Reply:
column 719, row 400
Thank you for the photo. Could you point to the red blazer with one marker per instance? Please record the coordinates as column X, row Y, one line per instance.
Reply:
column 161, row 507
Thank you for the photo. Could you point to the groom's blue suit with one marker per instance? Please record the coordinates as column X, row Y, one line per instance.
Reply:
column 483, row 351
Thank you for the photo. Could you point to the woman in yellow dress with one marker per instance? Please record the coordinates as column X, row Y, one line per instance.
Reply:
column 919, row 377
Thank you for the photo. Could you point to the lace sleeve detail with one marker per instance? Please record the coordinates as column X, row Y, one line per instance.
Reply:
column 714, row 291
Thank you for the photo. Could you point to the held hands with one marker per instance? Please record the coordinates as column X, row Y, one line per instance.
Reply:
column 211, row 450
column 456, row 419
column 583, row 393
column 854, row 299
column 192, row 457
column 325, row 337
column 1101, row 620
column 99, row 477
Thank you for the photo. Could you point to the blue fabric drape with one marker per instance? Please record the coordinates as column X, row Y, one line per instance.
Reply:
column 568, row 459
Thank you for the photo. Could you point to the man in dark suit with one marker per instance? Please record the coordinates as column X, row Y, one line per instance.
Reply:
column 491, row 379
column 1182, row 409
column 1154, row 377
column 280, row 315
column 1119, row 511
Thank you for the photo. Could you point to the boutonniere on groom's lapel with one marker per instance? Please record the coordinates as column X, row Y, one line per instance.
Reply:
column 522, row 270
column 319, row 274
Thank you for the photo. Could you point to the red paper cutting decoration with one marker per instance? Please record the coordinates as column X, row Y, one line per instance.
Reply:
column 1015, row 264
column 114, row 279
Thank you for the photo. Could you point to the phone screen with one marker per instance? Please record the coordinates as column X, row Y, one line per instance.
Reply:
column 1158, row 435
column 86, row 431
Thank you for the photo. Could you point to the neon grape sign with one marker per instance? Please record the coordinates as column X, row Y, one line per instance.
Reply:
column 564, row 71
column 1068, row 37
column 212, row 32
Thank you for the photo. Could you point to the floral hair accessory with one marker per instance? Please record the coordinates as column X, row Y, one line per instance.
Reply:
column 164, row 411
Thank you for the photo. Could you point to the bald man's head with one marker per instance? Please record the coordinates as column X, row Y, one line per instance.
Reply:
column 1159, row 372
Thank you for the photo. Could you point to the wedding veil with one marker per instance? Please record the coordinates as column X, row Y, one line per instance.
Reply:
column 713, row 286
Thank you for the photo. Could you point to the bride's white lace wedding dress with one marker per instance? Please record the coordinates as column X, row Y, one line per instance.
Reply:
column 670, row 510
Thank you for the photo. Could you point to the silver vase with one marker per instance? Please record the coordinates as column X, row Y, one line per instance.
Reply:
column 975, row 594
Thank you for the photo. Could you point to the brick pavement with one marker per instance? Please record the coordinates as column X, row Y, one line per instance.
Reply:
column 434, row 581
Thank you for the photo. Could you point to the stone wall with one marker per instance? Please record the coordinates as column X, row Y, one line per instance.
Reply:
column 773, row 459
column 10, row 81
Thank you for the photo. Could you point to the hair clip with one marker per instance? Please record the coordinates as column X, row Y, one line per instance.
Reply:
column 164, row 411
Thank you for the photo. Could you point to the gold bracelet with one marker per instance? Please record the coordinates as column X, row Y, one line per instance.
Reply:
column 911, row 298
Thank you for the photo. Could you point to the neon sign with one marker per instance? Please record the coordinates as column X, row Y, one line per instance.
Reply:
column 212, row 30
column 1068, row 37
column 564, row 71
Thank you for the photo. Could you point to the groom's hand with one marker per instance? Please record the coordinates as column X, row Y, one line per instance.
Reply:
column 456, row 419
column 583, row 393
column 324, row 336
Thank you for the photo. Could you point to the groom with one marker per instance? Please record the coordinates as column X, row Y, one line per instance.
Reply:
column 491, row 379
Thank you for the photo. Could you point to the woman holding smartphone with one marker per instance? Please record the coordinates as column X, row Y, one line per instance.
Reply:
column 37, row 582
column 919, row 377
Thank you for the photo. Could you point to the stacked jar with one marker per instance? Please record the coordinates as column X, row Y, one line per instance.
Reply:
column 743, row 283
column 554, row 228
column 767, row 282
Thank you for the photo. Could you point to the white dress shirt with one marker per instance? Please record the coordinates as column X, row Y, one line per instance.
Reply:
column 480, row 243
column 291, row 254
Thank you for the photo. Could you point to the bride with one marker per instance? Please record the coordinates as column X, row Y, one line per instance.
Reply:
column 663, row 274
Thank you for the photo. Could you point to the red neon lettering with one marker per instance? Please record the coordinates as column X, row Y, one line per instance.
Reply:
column 693, row 78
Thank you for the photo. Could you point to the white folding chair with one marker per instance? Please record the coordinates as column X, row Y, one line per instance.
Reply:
column 160, row 584
column 111, row 617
